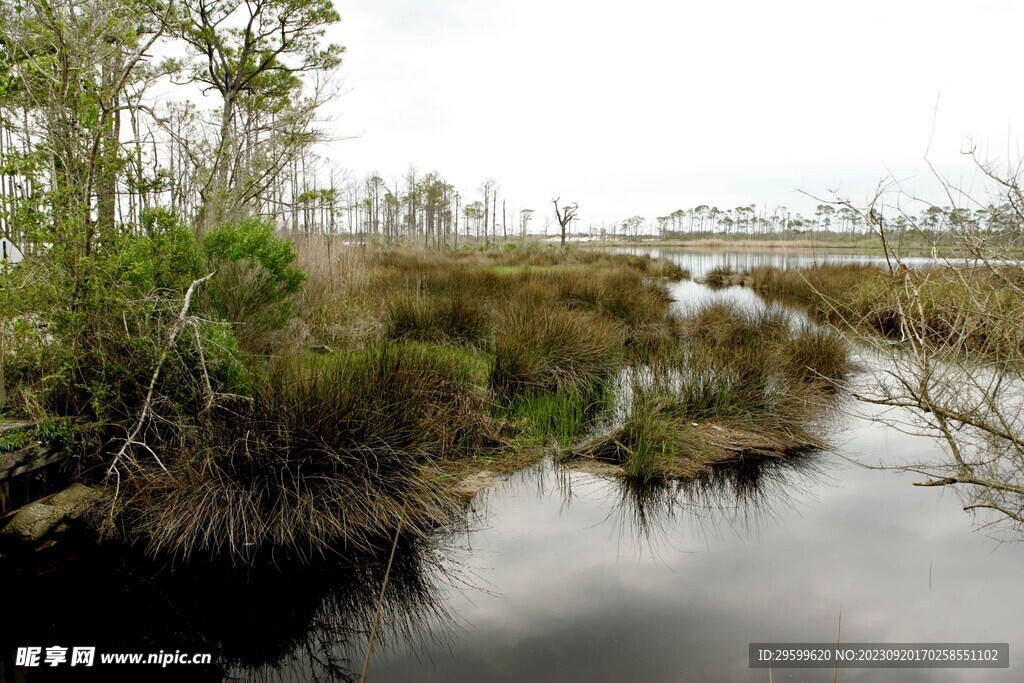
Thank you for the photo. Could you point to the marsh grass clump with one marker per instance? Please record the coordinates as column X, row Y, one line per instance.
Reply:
column 453, row 297
column 651, row 266
column 417, row 399
column 728, row 329
column 637, row 305
column 619, row 294
column 818, row 355
column 720, row 277
column 331, row 451
column 539, row 350
column 734, row 389
column 448, row 317
column 828, row 281
column 543, row 418
column 550, row 255
column 654, row 442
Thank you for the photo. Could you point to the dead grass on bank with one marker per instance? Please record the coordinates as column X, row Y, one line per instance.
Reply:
column 970, row 311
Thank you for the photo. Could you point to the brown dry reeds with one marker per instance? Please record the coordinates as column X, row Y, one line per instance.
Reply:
column 975, row 312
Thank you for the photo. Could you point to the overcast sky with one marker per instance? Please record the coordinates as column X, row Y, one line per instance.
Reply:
column 648, row 106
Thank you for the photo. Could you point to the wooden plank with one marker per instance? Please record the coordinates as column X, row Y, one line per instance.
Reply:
column 20, row 456
column 34, row 465
column 15, row 426
column 28, row 460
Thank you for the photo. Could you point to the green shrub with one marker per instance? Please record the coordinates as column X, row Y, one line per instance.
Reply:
column 255, row 279
column 167, row 256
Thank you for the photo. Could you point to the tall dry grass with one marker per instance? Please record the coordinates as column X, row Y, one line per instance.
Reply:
column 975, row 310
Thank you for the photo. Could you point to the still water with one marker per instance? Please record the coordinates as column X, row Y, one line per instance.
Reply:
column 592, row 582
column 701, row 261
column 561, row 575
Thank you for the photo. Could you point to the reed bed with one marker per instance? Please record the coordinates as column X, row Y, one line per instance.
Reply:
column 973, row 311
column 733, row 389
column 404, row 368
column 401, row 368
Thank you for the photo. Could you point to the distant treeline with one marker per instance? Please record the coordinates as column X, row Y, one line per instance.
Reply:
column 828, row 219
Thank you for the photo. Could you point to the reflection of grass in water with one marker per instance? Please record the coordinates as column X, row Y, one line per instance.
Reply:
column 739, row 495
column 308, row 625
column 332, row 644
column 749, row 489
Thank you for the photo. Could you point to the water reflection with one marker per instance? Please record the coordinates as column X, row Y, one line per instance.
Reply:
column 700, row 261
column 599, row 580
column 738, row 498
column 689, row 295
column 617, row 583
column 310, row 625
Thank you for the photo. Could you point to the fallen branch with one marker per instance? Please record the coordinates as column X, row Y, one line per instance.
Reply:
column 132, row 440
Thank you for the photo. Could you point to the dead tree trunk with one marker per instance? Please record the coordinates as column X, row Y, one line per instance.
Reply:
column 564, row 215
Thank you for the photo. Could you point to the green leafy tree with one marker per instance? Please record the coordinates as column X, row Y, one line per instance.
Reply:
column 253, row 53
column 66, row 68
